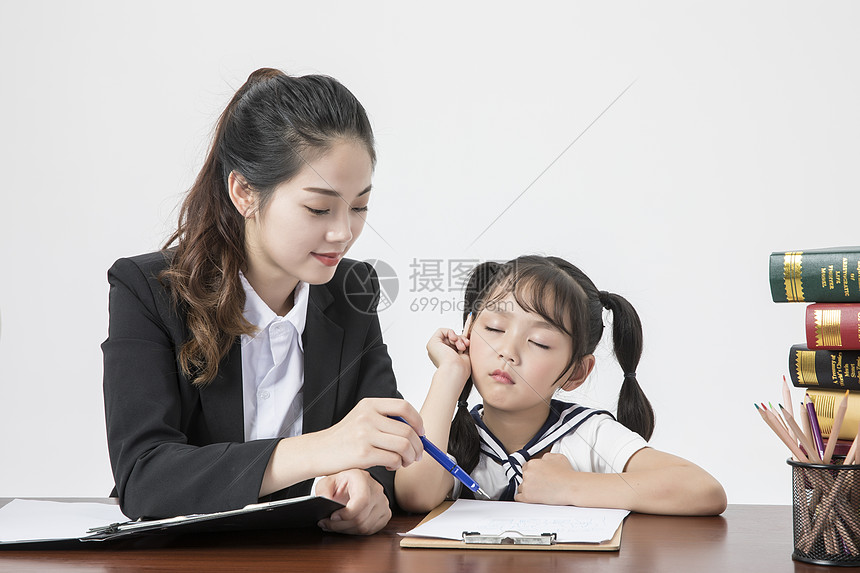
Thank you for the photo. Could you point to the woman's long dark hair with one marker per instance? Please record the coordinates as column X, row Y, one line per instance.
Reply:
column 566, row 298
column 271, row 128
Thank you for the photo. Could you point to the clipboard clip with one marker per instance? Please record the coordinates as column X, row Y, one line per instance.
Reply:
column 108, row 529
column 509, row 537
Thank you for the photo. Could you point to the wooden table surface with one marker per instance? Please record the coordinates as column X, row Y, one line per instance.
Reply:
column 754, row 538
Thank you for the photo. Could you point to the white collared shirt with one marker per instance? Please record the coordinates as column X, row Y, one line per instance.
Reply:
column 273, row 366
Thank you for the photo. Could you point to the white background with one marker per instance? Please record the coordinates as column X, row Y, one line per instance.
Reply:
column 737, row 137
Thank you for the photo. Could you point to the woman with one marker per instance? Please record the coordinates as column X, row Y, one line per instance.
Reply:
column 241, row 361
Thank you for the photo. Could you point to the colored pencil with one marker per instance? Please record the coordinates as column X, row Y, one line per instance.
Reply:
column 804, row 440
column 813, row 426
column 786, row 397
column 781, row 433
column 838, row 417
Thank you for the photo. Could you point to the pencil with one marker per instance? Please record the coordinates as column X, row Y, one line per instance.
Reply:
column 779, row 419
column 782, row 434
column 771, row 414
column 804, row 422
column 786, row 397
column 852, row 452
column 804, row 440
column 838, row 417
column 813, row 426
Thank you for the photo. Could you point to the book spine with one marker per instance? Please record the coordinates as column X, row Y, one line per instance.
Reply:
column 826, row 402
column 821, row 275
column 833, row 326
column 826, row 369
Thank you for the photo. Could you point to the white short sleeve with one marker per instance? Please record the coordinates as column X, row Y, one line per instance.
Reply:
column 600, row 445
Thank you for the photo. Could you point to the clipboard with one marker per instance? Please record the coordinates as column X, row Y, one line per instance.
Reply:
column 505, row 540
column 281, row 514
column 303, row 511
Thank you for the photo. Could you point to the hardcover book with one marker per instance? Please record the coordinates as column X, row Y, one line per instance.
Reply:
column 817, row 275
column 826, row 369
column 826, row 402
column 833, row 326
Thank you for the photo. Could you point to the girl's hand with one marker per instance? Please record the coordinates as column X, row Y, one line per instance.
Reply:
column 366, row 510
column 447, row 349
column 367, row 437
column 548, row 480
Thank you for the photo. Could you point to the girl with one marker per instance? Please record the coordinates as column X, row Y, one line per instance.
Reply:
column 531, row 329
column 241, row 360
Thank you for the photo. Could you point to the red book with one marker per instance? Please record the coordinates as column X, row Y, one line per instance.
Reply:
column 833, row 326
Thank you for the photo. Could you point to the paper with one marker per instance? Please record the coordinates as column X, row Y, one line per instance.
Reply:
column 35, row 520
column 570, row 524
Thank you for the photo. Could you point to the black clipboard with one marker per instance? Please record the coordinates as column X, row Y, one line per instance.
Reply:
column 303, row 511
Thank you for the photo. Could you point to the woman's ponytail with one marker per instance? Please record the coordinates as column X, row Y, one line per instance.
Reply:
column 634, row 409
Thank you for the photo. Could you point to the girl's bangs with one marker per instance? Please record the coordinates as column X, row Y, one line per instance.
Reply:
column 544, row 291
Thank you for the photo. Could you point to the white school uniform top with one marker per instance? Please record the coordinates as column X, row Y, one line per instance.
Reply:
column 599, row 445
column 273, row 366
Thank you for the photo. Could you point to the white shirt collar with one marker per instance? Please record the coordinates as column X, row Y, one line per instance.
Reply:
column 260, row 315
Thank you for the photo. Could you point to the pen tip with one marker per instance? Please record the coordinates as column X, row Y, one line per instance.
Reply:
column 482, row 493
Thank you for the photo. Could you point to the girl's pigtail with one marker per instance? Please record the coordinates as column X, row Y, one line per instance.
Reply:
column 634, row 409
column 464, row 443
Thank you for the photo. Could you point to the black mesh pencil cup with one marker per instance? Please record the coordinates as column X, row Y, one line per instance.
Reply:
column 826, row 513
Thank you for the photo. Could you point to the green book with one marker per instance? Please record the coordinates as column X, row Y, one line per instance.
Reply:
column 817, row 275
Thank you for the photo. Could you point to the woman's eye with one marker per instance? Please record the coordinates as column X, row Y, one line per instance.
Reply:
column 360, row 209
column 317, row 211
column 539, row 345
column 491, row 329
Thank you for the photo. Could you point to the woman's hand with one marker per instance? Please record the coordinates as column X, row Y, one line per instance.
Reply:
column 548, row 480
column 367, row 437
column 449, row 350
column 366, row 510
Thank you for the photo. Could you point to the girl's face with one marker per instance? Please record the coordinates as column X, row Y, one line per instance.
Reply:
column 517, row 357
column 312, row 220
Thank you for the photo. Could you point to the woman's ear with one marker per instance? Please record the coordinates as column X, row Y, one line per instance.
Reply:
column 580, row 373
column 241, row 194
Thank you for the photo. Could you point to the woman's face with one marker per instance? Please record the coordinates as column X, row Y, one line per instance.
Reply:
column 312, row 220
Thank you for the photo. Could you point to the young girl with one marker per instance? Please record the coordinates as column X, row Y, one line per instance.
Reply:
column 532, row 327
column 240, row 361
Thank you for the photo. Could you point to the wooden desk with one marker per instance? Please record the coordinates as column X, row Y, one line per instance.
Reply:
column 754, row 538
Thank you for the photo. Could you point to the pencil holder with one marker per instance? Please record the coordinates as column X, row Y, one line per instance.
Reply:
column 826, row 513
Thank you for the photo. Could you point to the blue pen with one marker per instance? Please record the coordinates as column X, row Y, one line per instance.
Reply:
column 446, row 463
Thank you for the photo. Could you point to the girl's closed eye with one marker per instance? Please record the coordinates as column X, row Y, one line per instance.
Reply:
column 360, row 209
column 492, row 329
column 539, row 345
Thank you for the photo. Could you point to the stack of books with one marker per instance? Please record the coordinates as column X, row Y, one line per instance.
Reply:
column 828, row 363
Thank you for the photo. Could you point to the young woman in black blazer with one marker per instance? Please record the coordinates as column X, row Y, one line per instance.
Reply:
column 277, row 204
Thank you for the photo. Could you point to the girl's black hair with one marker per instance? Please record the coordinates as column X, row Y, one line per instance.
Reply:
column 565, row 297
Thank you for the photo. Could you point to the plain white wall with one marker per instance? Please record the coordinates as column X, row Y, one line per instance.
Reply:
column 737, row 137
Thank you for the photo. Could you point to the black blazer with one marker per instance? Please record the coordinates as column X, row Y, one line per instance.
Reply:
column 176, row 449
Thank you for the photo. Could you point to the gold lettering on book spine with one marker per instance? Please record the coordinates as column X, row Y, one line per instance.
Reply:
column 791, row 272
column 805, row 363
column 827, row 331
